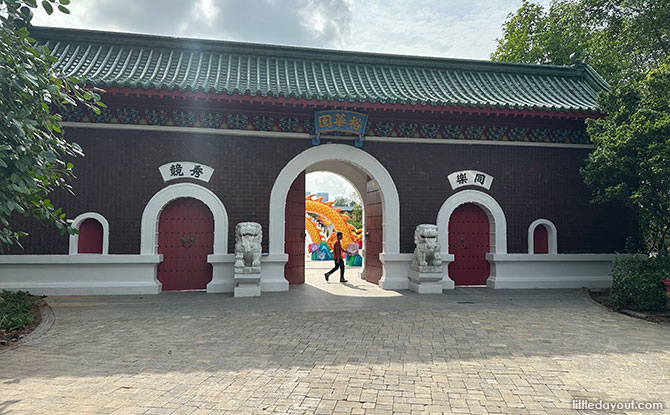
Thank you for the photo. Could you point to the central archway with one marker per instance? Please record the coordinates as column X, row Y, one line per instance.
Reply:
column 352, row 156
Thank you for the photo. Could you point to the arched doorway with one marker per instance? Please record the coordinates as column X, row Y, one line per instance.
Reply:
column 220, row 259
column 497, row 225
column 389, row 209
column 333, row 204
column 185, row 238
column 469, row 244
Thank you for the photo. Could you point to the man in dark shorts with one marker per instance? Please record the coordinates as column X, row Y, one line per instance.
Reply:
column 338, row 257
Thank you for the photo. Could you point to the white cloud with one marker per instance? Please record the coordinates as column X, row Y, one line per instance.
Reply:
column 288, row 22
column 334, row 184
column 447, row 28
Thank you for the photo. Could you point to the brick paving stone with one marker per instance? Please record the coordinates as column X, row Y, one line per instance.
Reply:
column 335, row 348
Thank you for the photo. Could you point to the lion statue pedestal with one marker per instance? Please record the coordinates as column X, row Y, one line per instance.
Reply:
column 426, row 271
column 248, row 237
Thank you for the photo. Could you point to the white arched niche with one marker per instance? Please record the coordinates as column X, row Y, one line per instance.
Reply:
column 552, row 237
column 76, row 222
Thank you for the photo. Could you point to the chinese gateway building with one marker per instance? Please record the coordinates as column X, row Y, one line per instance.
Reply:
column 200, row 135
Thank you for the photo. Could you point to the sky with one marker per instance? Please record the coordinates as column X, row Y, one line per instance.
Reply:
column 442, row 28
column 333, row 184
column 445, row 28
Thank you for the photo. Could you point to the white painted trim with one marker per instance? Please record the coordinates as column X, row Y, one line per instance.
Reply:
column 80, row 274
column 153, row 209
column 522, row 271
column 223, row 280
column 79, row 259
column 497, row 221
column 552, row 236
column 395, row 271
column 272, row 272
column 305, row 136
column 74, row 239
column 551, row 257
column 353, row 156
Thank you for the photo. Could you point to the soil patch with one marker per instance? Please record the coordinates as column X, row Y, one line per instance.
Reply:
column 603, row 298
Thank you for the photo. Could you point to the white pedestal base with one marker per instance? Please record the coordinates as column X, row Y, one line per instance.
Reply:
column 247, row 290
column 425, row 282
column 247, row 285
column 223, row 280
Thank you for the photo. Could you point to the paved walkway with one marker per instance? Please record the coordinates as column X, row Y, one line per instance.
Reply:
column 336, row 348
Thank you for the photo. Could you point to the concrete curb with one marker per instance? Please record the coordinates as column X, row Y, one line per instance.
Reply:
column 627, row 314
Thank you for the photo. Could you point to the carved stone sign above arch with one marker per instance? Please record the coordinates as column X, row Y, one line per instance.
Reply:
column 470, row 178
column 185, row 170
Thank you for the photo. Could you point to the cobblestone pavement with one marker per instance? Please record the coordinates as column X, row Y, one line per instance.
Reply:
column 336, row 348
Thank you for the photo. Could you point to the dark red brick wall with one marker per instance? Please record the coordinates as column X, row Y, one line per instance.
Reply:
column 120, row 174
column 529, row 183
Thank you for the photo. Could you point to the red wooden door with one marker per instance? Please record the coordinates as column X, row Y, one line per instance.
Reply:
column 373, row 230
column 540, row 240
column 90, row 237
column 294, row 235
column 469, row 242
column 185, row 238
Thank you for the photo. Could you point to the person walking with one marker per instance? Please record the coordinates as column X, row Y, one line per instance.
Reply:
column 338, row 257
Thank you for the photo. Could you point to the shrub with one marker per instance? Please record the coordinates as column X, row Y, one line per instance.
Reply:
column 636, row 282
column 16, row 310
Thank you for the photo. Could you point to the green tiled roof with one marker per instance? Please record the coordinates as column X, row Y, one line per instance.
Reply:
column 108, row 59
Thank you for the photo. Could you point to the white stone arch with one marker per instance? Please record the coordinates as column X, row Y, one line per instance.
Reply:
column 74, row 239
column 339, row 152
column 358, row 159
column 552, row 236
column 497, row 221
column 153, row 209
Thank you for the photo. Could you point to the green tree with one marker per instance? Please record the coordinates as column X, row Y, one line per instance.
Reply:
column 631, row 161
column 356, row 215
column 356, row 219
column 621, row 39
column 628, row 43
column 533, row 35
column 341, row 201
column 33, row 149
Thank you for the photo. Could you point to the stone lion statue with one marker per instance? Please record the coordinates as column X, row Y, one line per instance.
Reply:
column 427, row 256
column 248, row 237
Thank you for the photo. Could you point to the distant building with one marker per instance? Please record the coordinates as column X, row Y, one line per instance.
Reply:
column 324, row 195
column 346, row 209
